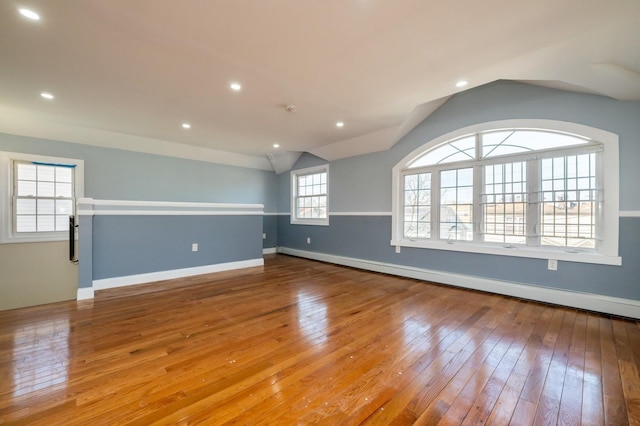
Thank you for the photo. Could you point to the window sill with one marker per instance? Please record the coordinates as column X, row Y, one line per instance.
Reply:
column 13, row 239
column 316, row 222
column 528, row 252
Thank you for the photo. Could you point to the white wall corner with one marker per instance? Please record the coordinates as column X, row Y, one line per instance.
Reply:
column 283, row 161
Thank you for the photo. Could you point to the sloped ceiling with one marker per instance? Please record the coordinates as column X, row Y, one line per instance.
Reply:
column 128, row 73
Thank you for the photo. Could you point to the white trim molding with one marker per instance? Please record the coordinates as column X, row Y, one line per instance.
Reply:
column 592, row 302
column 359, row 213
column 85, row 293
column 91, row 207
column 630, row 213
column 127, row 280
column 270, row 250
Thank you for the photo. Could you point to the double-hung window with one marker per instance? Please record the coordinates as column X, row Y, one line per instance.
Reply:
column 517, row 191
column 40, row 196
column 310, row 196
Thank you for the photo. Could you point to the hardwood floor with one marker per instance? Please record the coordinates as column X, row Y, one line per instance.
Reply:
column 302, row 342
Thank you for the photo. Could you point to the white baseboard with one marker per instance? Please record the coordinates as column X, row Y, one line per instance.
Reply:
column 593, row 302
column 85, row 293
column 172, row 274
column 270, row 250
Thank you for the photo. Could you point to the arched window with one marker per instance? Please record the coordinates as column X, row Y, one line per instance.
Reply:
column 518, row 188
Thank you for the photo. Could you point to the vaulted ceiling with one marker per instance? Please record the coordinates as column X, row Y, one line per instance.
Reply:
column 129, row 73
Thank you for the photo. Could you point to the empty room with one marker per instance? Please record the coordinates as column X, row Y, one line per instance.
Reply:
column 340, row 212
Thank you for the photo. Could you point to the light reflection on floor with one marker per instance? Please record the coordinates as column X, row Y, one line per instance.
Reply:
column 312, row 317
column 41, row 356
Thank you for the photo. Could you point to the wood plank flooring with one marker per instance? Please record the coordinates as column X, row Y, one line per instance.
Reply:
column 303, row 342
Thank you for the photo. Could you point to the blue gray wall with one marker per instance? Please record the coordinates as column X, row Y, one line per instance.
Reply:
column 130, row 245
column 363, row 184
column 125, row 245
column 114, row 174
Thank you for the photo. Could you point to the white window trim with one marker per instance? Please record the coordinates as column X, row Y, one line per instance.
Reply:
column 7, row 234
column 294, row 182
column 608, row 253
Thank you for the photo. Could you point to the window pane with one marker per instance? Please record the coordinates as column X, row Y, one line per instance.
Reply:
column 448, row 178
column 64, row 207
column 465, row 196
column 46, row 189
column 46, row 207
column 25, row 223
column 456, row 204
column 568, row 198
column 568, row 216
column 26, row 171
column 46, row 173
column 46, row 223
column 27, row 188
column 465, row 177
column 466, row 144
column 63, row 190
column 51, row 191
column 25, row 206
column 410, row 182
column 64, row 174
column 417, row 206
column 514, row 141
column 62, row 223
column 463, row 149
column 504, row 205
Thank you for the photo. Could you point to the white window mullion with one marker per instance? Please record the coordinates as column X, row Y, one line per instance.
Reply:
column 478, row 185
column 435, row 205
column 598, row 217
column 533, row 203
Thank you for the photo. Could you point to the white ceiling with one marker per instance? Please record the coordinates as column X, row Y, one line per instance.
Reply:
column 128, row 73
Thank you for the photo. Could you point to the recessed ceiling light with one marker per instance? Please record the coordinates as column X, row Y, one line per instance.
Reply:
column 186, row 125
column 275, row 145
column 30, row 14
column 340, row 124
column 462, row 83
column 46, row 95
column 235, row 86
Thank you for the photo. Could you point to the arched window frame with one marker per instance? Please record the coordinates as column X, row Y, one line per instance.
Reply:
column 607, row 250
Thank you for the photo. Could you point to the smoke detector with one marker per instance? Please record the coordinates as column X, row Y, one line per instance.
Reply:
column 290, row 108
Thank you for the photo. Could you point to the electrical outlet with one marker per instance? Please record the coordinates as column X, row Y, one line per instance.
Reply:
column 194, row 247
column 552, row 265
column 308, row 240
column 264, row 235
column 397, row 249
